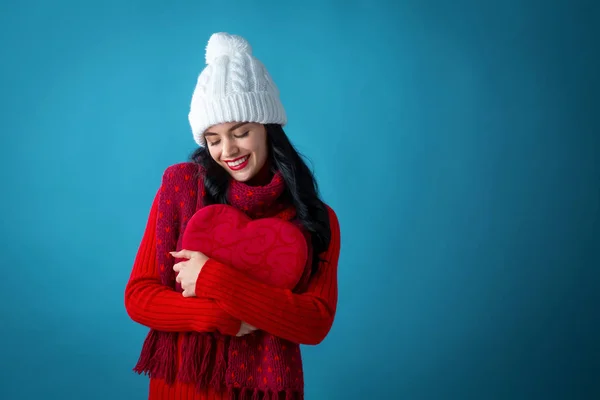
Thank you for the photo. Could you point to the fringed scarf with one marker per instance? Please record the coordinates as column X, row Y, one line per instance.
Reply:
column 253, row 367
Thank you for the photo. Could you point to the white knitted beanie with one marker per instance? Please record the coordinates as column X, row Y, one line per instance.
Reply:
column 233, row 87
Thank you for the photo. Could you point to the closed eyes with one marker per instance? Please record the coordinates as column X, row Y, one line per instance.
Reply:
column 216, row 142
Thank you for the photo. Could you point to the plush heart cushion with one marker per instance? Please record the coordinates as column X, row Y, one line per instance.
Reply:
column 271, row 250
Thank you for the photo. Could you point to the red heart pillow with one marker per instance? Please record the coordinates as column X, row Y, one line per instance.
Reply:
column 270, row 250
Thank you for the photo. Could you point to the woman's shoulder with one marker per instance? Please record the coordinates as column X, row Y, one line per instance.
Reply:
column 182, row 172
column 333, row 218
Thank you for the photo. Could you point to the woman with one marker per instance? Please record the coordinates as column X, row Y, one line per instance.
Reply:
column 238, row 263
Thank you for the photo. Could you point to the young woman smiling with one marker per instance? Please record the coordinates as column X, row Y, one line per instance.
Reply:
column 237, row 266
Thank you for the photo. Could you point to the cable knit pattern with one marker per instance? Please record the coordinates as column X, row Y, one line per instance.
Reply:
column 270, row 250
column 233, row 87
column 255, row 365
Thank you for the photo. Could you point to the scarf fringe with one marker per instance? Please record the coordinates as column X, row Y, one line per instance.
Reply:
column 190, row 367
column 203, row 360
column 207, row 341
column 158, row 356
column 167, row 350
column 258, row 394
column 220, row 366
column 202, row 380
column 146, row 355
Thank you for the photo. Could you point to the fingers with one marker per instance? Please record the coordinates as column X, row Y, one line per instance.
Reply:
column 179, row 266
column 241, row 330
column 246, row 329
column 182, row 254
column 244, row 333
column 189, row 293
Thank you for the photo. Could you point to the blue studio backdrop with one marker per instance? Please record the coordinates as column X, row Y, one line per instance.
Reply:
column 457, row 141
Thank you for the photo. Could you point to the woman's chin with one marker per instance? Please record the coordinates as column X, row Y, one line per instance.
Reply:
column 241, row 176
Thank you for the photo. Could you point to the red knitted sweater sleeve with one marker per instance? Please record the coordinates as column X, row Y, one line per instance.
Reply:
column 156, row 306
column 304, row 318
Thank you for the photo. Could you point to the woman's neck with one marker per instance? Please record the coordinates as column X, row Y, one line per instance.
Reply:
column 262, row 178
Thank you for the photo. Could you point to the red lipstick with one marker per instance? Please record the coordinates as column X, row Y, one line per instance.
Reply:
column 240, row 166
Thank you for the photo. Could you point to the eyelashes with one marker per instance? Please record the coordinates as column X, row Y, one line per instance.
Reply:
column 216, row 142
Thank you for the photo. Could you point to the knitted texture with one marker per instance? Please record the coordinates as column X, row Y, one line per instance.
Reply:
column 234, row 87
column 270, row 250
column 253, row 365
column 224, row 298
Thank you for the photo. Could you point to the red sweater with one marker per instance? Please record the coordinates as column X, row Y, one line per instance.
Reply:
column 225, row 297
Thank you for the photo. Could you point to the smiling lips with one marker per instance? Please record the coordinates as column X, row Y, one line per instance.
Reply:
column 238, row 163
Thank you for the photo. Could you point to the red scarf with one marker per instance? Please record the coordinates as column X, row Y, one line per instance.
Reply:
column 256, row 366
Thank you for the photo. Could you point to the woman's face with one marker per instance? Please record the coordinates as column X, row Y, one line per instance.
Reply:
column 239, row 147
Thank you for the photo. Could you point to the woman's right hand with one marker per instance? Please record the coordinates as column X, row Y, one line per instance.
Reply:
column 245, row 329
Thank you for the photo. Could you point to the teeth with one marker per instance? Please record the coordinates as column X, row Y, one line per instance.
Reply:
column 238, row 162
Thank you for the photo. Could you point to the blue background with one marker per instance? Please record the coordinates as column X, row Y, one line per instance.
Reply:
column 457, row 141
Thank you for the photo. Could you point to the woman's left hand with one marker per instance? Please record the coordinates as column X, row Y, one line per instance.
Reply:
column 188, row 271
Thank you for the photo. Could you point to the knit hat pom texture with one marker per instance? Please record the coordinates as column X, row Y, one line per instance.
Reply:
column 223, row 44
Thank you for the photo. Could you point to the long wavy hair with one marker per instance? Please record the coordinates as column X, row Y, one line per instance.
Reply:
column 301, row 186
